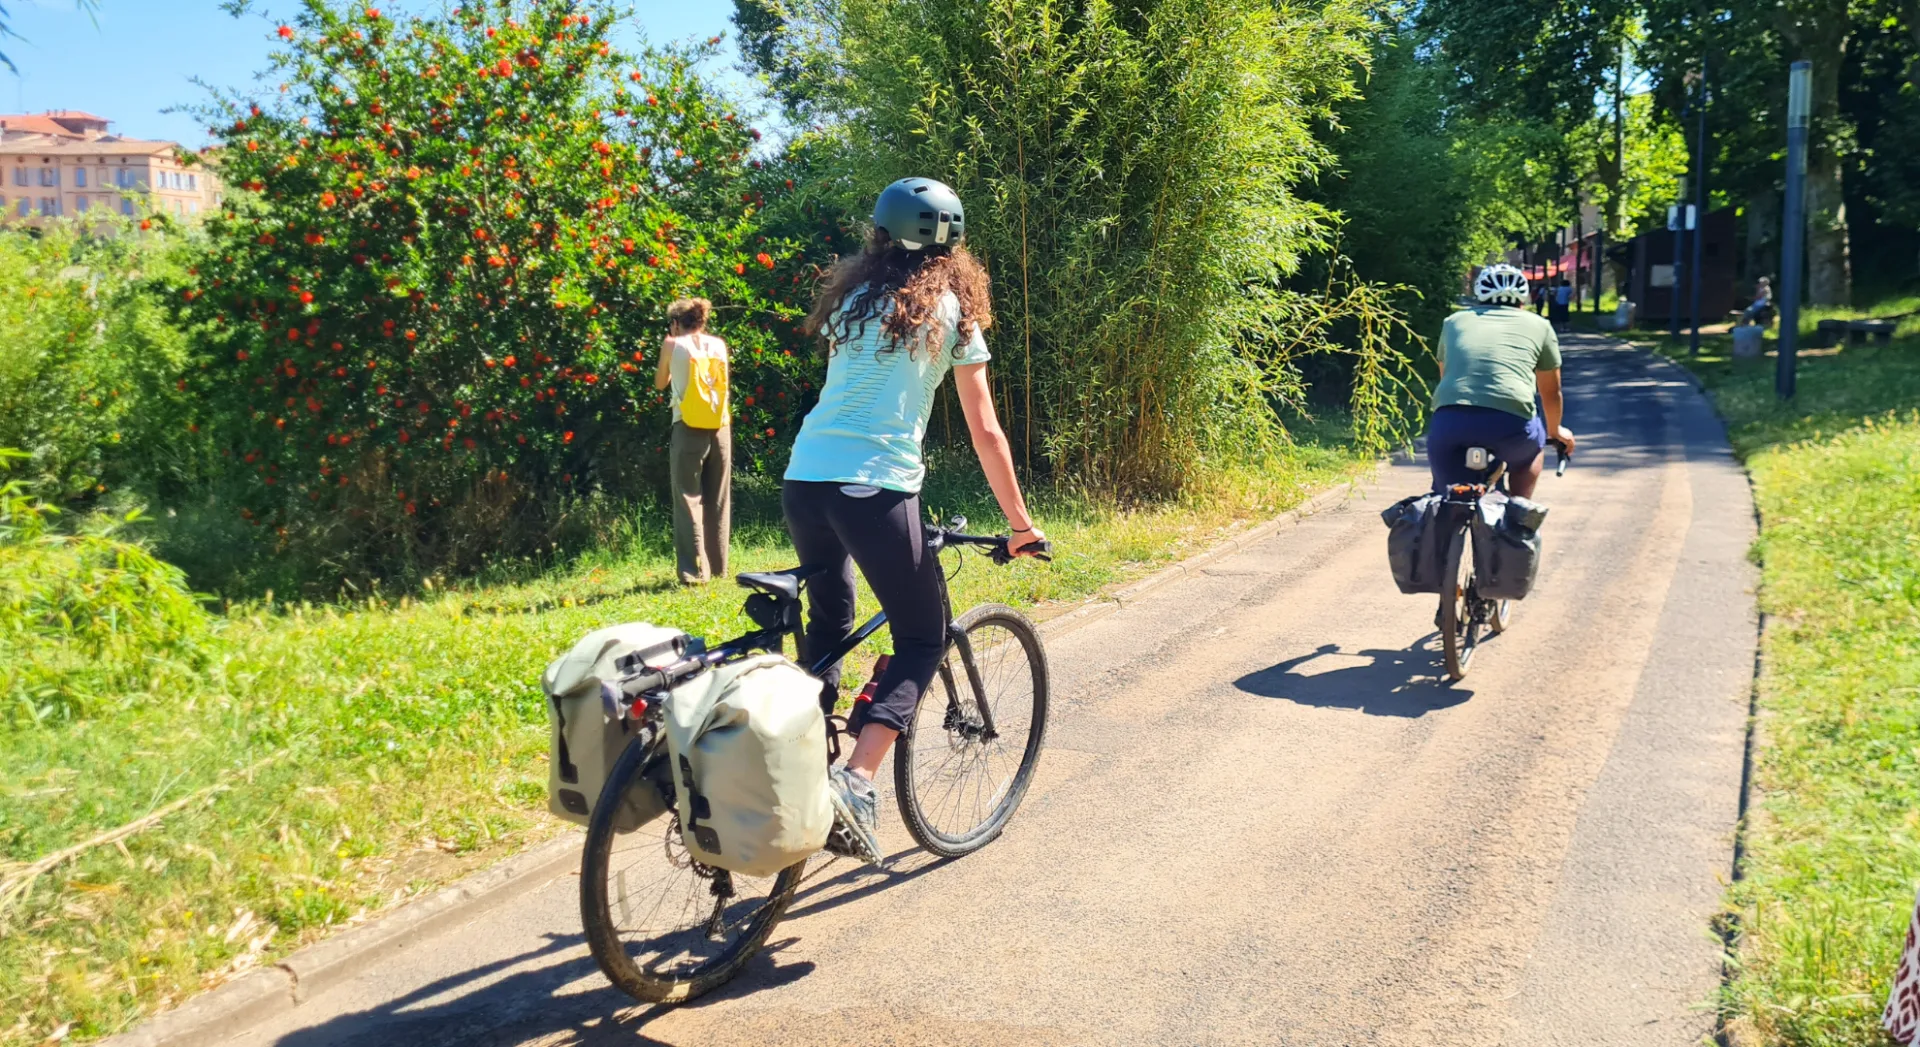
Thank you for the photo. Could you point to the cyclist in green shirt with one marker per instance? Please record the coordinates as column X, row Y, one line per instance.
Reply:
column 1494, row 356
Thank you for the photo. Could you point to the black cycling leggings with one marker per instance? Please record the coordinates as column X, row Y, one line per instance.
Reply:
column 883, row 533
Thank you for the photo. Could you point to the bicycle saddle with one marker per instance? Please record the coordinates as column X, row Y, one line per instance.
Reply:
column 785, row 584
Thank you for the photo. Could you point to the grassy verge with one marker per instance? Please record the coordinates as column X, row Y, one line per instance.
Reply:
column 1834, row 841
column 348, row 756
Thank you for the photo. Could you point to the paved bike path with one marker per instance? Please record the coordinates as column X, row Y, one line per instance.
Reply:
column 1261, row 820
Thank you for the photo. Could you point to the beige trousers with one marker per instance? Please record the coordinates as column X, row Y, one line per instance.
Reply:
column 701, row 464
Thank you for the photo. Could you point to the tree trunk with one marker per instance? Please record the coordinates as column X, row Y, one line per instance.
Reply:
column 1829, row 267
column 1762, row 255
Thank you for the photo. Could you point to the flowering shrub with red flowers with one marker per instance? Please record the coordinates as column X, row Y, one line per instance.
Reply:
column 431, row 305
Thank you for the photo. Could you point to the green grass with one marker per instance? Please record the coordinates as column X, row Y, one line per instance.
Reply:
column 360, row 753
column 1833, row 844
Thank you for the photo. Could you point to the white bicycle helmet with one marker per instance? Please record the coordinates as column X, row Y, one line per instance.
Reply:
column 1501, row 283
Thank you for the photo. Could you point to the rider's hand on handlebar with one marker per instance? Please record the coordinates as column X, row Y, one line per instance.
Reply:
column 1564, row 436
column 1025, row 543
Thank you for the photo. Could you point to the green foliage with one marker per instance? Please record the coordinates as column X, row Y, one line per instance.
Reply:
column 1134, row 179
column 1402, row 187
column 1834, row 851
column 1538, row 61
column 84, row 616
column 428, row 315
column 87, row 354
column 1655, row 161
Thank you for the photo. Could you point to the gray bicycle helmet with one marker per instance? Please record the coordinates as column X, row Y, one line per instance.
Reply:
column 918, row 212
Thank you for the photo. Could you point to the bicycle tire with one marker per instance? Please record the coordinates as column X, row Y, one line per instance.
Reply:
column 1500, row 617
column 604, row 936
column 1458, row 631
column 913, row 778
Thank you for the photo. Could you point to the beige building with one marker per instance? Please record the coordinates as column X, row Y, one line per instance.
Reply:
column 64, row 164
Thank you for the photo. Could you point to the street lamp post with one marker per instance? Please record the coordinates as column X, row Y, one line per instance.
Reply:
column 1677, row 221
column 1793, row 236
column 1697, row 269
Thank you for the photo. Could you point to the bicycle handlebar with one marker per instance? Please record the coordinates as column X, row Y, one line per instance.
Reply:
column 1562, row 458
column 996, row 545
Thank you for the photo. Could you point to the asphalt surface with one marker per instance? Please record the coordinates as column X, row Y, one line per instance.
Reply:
column 1261, row 819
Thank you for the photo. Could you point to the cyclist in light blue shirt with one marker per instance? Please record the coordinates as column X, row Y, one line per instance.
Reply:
column 897, row 318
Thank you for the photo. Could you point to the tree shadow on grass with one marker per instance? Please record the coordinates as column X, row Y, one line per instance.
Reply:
column 1408, row 683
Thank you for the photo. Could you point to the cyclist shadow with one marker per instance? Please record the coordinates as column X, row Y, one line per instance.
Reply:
column 1383, row 683
column 538, row 1002
column 861, row 881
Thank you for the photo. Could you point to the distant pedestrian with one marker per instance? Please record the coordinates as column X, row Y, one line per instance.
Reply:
column 693, row 364
column 1760, row 311
column 1540, row 298
column 1562, row 306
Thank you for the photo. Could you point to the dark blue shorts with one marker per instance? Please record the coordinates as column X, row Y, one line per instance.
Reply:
column 1514, row 440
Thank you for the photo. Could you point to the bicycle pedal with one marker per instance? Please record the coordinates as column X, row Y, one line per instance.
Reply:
column 843, row 843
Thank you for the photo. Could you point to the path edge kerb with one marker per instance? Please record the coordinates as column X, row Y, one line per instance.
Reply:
column 224, row 1012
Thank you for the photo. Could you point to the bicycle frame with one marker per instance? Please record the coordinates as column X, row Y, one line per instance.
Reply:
column 773, row 639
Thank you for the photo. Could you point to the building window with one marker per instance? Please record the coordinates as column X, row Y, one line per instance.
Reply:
column 193, row 182
column 19, row 176
column 49, row 176
column 50, row 206
column 26, row 205
column 79, row 178
column 126, row 206
column 79, row 203
column 123, row 178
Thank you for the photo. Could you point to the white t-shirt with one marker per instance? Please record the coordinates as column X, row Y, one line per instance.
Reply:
column 873, row 409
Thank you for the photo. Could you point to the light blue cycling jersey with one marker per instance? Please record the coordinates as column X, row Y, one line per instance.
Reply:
column 872, row 415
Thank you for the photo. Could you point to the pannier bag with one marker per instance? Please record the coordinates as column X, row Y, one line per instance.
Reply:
column 748, row 743
column 1416, row 543
column 586, row 736
column 1506, row 552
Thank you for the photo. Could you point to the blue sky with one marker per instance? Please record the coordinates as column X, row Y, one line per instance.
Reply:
column 142, row 56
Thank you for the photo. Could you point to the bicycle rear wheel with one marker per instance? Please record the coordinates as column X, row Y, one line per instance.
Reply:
column 957, row 781
column 664, row 928
column 1459, row 631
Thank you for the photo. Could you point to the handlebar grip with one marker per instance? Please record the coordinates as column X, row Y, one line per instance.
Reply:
column 1041, row 550
column 1563, row 458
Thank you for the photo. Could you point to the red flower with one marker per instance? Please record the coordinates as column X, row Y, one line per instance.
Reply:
column 328, row 200
column 286, row 32
column 511, row 360
column 241, row 355
column 764, row 259
column 373, row 14
column 253, row 147
column 306, row 297
column 740, row 268
column 503, row 67
column 567, row 439
column 146, row 223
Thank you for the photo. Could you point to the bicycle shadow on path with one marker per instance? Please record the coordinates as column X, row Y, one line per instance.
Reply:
column 1405, row 683
column 544, row 1003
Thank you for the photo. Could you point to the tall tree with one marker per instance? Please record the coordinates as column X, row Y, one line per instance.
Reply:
column 1540, row 62
column 1750, row 44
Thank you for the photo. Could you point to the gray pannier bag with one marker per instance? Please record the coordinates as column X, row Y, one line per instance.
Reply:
column 748, row 741
column 1506, row 547
column 587, row 734
column 1416, row 543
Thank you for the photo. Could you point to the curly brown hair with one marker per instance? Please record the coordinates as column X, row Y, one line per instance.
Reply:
column 860, row 287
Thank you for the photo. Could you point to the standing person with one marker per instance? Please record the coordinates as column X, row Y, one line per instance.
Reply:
column 896, row 318
column 1494, row 357
column 693, row 364
column 1562, row 304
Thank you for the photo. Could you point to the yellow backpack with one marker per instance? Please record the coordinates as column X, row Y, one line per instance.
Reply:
column 705, row 404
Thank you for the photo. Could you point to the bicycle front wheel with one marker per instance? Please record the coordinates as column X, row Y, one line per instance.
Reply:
column 1459, row 632
column 663, row 927
column 964, row 764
